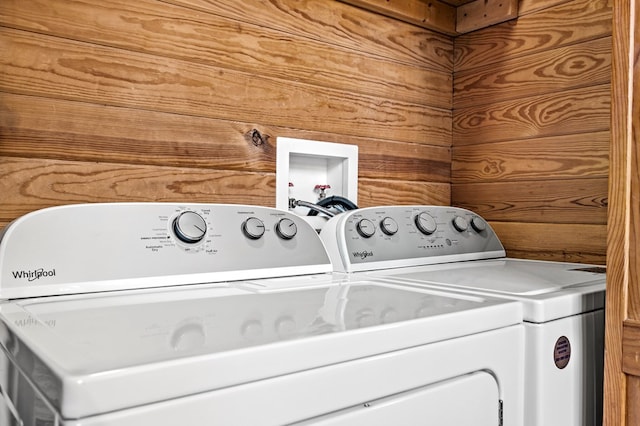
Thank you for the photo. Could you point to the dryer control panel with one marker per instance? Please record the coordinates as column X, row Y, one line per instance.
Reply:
column 397, row 236
column 96, row 247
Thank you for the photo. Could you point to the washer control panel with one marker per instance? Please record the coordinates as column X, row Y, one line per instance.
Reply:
column 97, row 247
column 394, row 236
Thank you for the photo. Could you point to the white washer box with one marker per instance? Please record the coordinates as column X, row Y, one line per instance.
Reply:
column 454, row 249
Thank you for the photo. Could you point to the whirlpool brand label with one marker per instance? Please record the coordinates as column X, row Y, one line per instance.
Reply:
column 362, row 254
column 34, row 274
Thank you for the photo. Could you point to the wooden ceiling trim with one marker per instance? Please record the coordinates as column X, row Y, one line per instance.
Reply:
column 433, row 14
column 451, row 17
column 483, row 13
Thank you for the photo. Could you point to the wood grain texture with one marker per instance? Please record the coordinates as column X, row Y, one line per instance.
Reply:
column 562, row 25
column 378, row 192
column 634, row 177
column 583, row 155
column 76, row 131
column 435, row 15
column 619, row 237
column 578, row 201
column 185, row 34
column 58, row 68
column 633, row 398
column 580, row 243
column 631, row 347
column 31, row 184
column 580, row 65
column 529, row 6
column 339, row 24
column 146, row 101
column 583, row 110
column 483, row 13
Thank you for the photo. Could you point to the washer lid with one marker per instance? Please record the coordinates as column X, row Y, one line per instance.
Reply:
column 549, row 290
column 94, row 349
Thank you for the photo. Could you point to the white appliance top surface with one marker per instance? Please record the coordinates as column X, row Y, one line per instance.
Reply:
column 97, row 347
column 549, row 290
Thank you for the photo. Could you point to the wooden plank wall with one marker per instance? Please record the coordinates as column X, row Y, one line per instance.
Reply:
column 113, row 100
column 622, row 336
column 531, row 128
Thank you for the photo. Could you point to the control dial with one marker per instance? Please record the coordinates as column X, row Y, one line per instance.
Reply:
column 189, row 227
column 253, row 228
column 366, row 228
column 478, row 224
column 460, row 223
column 286, row 229
column 426, row 223
column 389, row 226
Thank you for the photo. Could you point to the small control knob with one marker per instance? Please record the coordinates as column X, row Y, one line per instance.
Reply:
column 366, row 228
column 478, row 224
column 426, row 223
column 389, row 226
column 460, row 223
column 189, row 227
column 253, row 228
column 286, row 229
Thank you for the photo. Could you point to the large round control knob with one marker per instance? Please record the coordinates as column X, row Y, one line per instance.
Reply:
column 189, row 227
column 286, row 229
column 253, row 228
column 426, row 223
column 478, row 224
column 460, row 223
column 389, row 226
column 366, row 228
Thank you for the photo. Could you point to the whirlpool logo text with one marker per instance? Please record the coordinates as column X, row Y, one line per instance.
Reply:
column 362, row 254
column 33, row 275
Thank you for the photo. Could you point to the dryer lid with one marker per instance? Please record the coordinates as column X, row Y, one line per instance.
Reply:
column 201, row 338
column 549, row 290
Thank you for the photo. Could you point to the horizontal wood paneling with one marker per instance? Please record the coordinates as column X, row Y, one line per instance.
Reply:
column 553, row 201
column 582, row 156
column 190, row 35
column 77, row 131
column 157, row 101
column 110, row 76
column 531, row 128
column 528, row 6
column 380, row 192
column 31, row 184
column 556, row 242
column 562, row 25
column 338, row 24
column 584, row 110
column 579, row 65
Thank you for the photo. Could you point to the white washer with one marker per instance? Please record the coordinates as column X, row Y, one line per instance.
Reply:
column 455, row 249
column 191, row 314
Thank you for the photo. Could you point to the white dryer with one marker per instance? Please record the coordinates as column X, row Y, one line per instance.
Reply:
column 455, row 249
column 191, row 314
